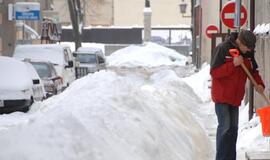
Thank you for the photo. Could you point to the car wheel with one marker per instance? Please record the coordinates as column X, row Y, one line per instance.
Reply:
column 55, row 92
column 26, row 109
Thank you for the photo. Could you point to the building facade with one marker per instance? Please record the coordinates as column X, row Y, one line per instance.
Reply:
column 119, row 12
column 164, row 13
column 96, row 12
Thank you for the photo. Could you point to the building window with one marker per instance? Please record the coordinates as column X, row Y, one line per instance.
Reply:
column 1, row 18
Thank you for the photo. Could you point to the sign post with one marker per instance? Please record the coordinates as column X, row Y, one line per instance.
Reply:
column 211, row 29
column 228, row 15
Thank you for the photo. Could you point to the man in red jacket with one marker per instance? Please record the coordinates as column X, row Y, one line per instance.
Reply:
column 228, row 88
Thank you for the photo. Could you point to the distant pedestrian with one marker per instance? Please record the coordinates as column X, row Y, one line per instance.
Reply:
column 228, row 88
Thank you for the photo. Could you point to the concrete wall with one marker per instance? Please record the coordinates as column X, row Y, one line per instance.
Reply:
column 210, row 16
column 262, row 8
column 97, row 12
column 164, row 12
column 126, row 12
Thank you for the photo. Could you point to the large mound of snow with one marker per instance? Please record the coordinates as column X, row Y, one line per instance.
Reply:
column 108, row 116
column 150, row 55
column 200, row 83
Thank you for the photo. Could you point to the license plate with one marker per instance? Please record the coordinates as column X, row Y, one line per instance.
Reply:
column 1, row 103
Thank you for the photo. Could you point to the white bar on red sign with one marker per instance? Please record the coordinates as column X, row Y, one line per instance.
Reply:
column 211, row 31
column 231, row 15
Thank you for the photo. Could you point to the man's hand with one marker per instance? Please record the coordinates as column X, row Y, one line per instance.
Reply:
column 259, row 89
column 237, row 60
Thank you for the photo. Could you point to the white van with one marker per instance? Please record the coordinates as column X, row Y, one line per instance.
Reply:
column 20, row 85
column 59, row 55
column 89, row 60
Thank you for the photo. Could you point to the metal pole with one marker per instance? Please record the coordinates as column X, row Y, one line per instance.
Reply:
column 23, row 31
column 237, row 14
column 220, row 23
column 251, row 90
column 193, row 32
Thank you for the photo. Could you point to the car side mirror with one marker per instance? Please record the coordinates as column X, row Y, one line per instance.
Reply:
column 70, row 64
column 101, row 59
column 36, row 81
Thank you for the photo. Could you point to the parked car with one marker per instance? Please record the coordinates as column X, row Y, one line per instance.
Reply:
column 59, row 55
column 158, row 40
column 52, row 82
column 20, row 85
column 89, row 60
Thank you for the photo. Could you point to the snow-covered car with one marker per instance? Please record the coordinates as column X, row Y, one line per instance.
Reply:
column 52, row 82
column 20, row 85
column 59, row 55
column 89, row 59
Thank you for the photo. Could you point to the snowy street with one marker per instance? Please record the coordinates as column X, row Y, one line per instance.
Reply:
column 148, row 105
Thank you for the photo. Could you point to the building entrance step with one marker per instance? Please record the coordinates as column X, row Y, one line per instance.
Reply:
column 259, row 155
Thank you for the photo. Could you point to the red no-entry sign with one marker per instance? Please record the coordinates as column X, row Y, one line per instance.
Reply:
column 211, row 29
column 228, row 15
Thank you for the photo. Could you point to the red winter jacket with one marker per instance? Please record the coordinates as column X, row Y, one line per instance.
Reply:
column 228, row 81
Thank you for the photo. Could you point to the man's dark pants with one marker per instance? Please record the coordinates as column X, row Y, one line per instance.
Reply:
column 226, row 131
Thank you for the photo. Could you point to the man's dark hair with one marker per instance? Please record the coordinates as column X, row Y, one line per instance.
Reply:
column 247, row 38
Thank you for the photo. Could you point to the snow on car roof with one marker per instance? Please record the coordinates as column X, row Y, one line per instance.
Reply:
column 89, row 49
column 44, row 52
column 14, row 74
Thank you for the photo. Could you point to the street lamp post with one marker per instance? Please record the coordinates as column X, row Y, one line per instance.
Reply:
column 147, row 21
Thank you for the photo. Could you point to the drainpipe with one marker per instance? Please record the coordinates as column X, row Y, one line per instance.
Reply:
column 251, row 89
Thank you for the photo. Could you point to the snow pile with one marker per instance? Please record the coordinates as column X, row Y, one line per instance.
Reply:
column 107, row 116
column 201, row 83
column 151, row 55
column 111, row 115
column 12, row 70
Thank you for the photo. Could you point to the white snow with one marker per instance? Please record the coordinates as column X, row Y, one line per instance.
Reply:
column 148, row 56
column 85, row 45
column 46, row 52
column 126, row 113
column 12, row 71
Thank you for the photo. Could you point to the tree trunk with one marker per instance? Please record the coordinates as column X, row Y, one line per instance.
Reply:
column 74, row 19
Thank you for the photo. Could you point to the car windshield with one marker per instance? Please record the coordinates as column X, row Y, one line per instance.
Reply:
column 42, row 70
column 86, row 58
